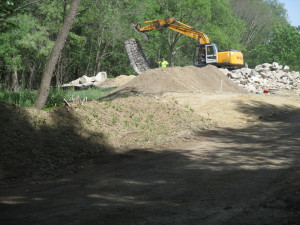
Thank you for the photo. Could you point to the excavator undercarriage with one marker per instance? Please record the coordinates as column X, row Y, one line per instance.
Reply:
column 136, row 55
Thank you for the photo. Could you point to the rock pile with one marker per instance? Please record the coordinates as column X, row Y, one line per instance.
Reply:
column 85, row 81
column 99, row 81
column 266, row 76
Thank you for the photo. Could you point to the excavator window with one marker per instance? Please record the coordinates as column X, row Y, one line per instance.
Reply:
column 211, row 53
column 200, row 55
column 205, row 54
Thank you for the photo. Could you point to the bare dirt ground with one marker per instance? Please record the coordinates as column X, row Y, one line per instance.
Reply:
column 242, row 169
column 237, row 110
column 238, row 175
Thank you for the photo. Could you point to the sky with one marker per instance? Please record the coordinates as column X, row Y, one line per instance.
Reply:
column 293, row 10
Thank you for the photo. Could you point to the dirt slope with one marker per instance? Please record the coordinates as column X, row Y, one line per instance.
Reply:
column 45, row 140
column 115, row 82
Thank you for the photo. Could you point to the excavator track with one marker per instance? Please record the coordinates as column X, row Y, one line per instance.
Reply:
column 137, row 57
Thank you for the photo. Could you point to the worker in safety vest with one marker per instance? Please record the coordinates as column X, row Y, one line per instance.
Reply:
column 163, row 63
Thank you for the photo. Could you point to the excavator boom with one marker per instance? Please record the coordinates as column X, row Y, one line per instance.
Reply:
column 205, row 51
column 174, row 25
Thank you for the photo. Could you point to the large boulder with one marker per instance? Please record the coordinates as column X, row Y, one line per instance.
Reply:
column 286, row 69
column 266, row 66
column 295, row 74
column 259, row 68
column 236, row 75
column 279, row 74
column 276, row 66
column 75, row 82
column 250, row 87
column 101, row 76
column 246, row 71
column 85, row 80
column 254, row 73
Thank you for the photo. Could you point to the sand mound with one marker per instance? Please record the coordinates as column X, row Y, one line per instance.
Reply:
column 115, row 82
column 176, row 79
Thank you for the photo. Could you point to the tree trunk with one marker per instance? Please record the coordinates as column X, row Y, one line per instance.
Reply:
column 87, row 70
column 15, row 82
column 99, row 40
column 31, row 76
column 172, row 41
column 44, row 89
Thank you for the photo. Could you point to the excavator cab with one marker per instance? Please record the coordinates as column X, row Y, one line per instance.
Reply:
column 205, row 54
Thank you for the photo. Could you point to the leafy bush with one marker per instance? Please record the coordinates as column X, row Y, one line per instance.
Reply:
column 23, row 98
column 26, row 97
column 56, row 98
column 90, row 94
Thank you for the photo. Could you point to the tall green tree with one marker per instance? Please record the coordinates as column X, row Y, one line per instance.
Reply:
column 260, row 17
column 23, row 45
column 283, row 47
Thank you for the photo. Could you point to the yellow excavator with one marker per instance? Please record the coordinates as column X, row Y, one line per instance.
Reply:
column 205, row 52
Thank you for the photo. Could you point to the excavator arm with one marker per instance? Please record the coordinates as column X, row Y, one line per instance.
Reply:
column 205, row 52
column 174, row 25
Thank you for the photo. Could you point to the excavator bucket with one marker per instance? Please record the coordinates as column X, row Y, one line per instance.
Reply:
column 134, row 27
column 136, row 55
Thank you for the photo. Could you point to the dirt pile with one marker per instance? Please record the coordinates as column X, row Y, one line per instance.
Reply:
column 115, row 82
column 44, row 140
column 177, row 79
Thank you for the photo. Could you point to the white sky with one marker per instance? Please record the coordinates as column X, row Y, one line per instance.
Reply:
column 293, row 10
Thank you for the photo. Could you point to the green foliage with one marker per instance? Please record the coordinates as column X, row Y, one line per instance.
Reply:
column 223, row 28
column 283, row 47
column 25, row 46
column 259, row 17
column 22, row 98
column 96, row 41
column 27, row 38
column 56, row 98
column 26, row 97
column 90, row 94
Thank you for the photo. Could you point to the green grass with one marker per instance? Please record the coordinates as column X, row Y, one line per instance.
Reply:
column 26, row 97
column 22, row 98
column 90, row 94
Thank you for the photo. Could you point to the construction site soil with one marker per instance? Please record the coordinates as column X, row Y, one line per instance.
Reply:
column 177, row 79
column 180, row 145
column 115, row 82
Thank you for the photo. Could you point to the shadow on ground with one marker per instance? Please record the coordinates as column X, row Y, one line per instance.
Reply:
column 275, row 139
column 268, row 112
column 121, row 93
column 231, row 176
column 29, row 146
